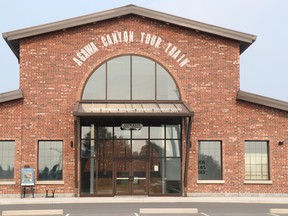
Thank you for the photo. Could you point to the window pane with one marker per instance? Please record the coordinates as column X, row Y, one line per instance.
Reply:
column 157, row 148
column 157, row 132
column 122, row 148
column 86, row 151
column 50, row 160
column 173, row 175
column 139, row 147
column 95, row 88
column 157, row 176
column 104, row 132
column 85, row 132
column 140, row 134
column 172, row 148
column 256, row 160
column 173, row 169
column 104, row 148
column 118, row 78
column 121, row 134
column 143, row 79
column 7, row 159
column 166, row 87
column 209, row 160
column 173, row 131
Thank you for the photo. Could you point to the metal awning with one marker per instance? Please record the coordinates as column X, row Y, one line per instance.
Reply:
column 132, row 108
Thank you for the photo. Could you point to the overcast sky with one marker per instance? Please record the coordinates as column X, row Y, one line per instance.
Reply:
column 264, row 65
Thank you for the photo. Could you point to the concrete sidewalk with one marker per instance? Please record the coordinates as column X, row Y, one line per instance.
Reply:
column 142, row 199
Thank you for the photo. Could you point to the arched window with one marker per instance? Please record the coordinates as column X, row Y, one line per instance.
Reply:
column 130, row 77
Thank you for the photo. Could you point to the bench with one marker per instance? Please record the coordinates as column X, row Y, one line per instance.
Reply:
column 52, row 191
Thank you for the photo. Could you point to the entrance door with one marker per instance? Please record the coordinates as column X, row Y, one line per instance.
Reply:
column 130, row 176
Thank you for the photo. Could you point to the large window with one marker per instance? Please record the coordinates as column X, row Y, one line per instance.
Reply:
column 7, row 160
column 256, row 160
column 130, row 77
column 50, row 160
column 209, row 160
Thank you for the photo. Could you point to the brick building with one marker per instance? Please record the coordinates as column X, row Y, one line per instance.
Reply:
column 133, row 101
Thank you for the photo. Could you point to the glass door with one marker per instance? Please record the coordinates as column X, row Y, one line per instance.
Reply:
column 123, row 177
column 131, row 176
column 139, row 170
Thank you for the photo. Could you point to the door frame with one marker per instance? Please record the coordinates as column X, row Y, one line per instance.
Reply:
column 131, row 177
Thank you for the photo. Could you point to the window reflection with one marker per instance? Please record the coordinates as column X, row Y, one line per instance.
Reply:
column 50, row 160
column 108, row 145
column 173, row 131
column 209, row 160
column 7, row 159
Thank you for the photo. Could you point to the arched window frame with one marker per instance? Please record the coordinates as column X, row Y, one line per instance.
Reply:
column 105, row 83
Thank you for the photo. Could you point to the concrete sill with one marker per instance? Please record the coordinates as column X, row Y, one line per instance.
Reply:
column 257, row 182
column 210, row 182
column 49, row 183
column 7, row 183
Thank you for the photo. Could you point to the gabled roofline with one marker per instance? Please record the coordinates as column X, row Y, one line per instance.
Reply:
column 13, row 37
column 261, row 100
column 11, row 95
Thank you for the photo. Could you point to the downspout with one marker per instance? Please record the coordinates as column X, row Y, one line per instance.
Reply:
column 76, row 130
column 188, row 132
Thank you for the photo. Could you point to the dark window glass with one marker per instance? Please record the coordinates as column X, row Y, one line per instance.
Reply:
column 157, row 148
column 209, row 160
column 95, row 88
column 256, row 160
column 104, row 132
column 122, row 148
column 118, row 78
column 143, row 79
column 50, row 160
column 86, row 149
column 7, row 159
column 173, row 175
column 85, row 132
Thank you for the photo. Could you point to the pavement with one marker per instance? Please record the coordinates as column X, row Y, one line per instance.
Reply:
column 142, row 199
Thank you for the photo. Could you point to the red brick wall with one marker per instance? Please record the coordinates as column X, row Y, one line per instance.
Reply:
column 263, row 123
column 10, row 129
column 52, row 82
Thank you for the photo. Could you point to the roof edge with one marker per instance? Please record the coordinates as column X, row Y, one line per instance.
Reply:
column 245, row 39
column 11, row 95
column 262, row 100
